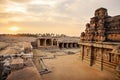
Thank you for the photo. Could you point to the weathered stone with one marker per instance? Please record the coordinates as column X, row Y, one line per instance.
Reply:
column 53, row 42
column 102, row 27
column 100, row 43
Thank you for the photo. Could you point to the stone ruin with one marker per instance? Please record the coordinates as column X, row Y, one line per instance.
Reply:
column 48, row 42
column 100, row 43
column 102, row 27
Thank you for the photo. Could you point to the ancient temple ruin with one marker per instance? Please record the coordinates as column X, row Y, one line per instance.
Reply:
column 48, row 42
column 102, row 27
column 100, row 43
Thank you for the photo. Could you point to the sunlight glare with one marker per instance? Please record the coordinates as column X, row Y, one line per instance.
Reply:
column 14, row 28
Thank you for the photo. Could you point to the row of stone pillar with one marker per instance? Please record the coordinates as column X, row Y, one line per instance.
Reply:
column 68, row 45
column 45, row 42
column 112, row 57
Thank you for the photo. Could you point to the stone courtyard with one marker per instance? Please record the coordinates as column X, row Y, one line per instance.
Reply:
column 70, row 67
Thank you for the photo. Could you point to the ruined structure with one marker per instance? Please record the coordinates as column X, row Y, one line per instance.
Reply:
column 55, row 42
column 102, row 27
column 68, row 42
column 45, row 42
column 100, row 43
column 17, row 64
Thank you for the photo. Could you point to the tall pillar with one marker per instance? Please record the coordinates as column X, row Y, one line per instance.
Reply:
column 38, row 42
column 102, row 60
column 91, row 55
column 44, row 42
column 57, row 43
column 66, row 45
column 82, row 51
column 116, row 58
column 51, row 42
column 75, row 45
column 62, row 45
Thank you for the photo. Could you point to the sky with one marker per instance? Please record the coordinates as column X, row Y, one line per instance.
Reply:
column 51, row 16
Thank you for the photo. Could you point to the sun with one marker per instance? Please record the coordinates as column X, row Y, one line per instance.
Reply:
column 14, row 28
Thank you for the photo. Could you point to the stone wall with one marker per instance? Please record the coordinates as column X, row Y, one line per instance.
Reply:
column 100, row 55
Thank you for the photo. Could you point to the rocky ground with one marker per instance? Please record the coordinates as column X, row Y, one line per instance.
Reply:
column 13, row 48
column 12, row 39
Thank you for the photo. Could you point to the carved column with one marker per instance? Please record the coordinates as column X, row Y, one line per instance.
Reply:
column 91, row 55
column 82, row 51
column 102, row 60
column 116, row 59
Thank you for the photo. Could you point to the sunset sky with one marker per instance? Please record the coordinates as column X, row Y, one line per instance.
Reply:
column 51, row 16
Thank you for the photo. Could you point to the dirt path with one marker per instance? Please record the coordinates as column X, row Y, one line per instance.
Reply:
column 70, row 67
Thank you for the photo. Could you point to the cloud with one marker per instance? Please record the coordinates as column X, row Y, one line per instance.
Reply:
column 3, row 1
column 53, row 13
column 21, row 1
column 38, row 8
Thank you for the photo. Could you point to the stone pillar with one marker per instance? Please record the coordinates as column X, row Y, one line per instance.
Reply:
column 41, row 44
column 102, row 59
column 91, row 55
column 116, row 58
column 75, row 45
column 82, row 51
column 57, row 44
column 38, row 42
column 51, row 42
column 44, row 42
column 66, row 45
column 62, row 45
